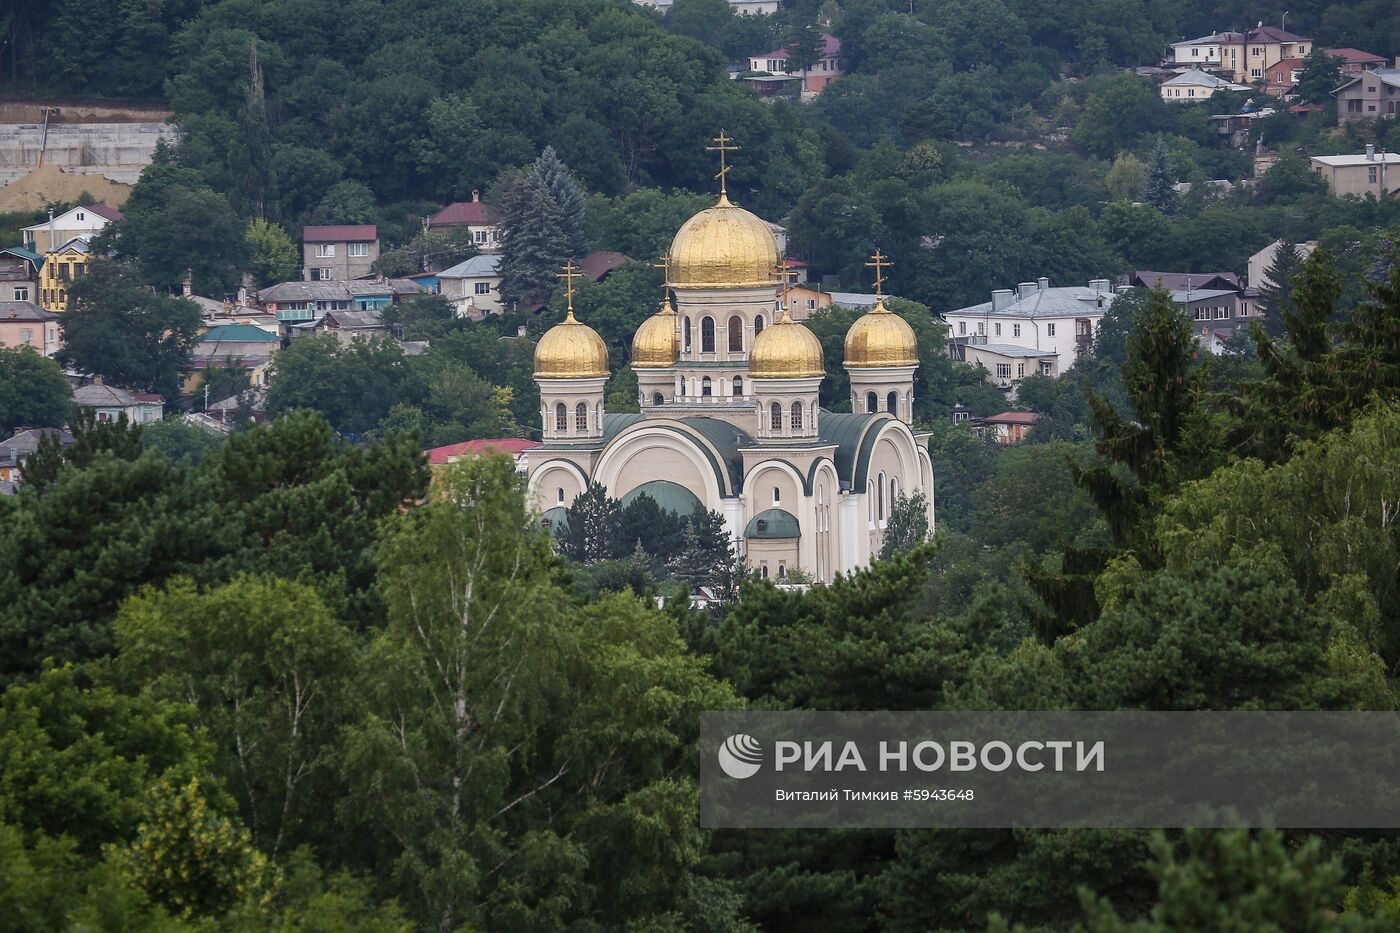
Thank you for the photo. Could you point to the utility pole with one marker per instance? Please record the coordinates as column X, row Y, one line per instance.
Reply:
column 44, row 141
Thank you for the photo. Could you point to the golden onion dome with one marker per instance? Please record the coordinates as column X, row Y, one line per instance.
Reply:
column 571, row 350
column 786, row 350
column 881, row 338
column 657, row 343
column 724, row 247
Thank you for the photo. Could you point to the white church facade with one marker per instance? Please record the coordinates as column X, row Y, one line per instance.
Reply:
column 728, row 386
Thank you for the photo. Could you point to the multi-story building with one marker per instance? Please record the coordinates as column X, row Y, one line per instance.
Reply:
column 1194, row 86
column 826, row 70
column 336, row 253
column 61, row 268
column 1371, row 172
column 1246, row 56
column 25, row 324
column 477, row 218
column 1034, row 316
column 298, row 302
column 1369, row 95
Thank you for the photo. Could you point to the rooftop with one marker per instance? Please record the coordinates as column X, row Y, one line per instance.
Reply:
column 484, row 265
column 1389, row 76
column 1011, row 350
column 598, row 265
column 1362, row 158
column 1012, row 417
column 340, row 233
column 1174, row 280
column 1040, row 300
column 237, row 333
column 1194, row 77
column 831, row 46
column 99, row 395
column 1355, row 56
column 338, row 290
column 463, row 212
column 24, row 311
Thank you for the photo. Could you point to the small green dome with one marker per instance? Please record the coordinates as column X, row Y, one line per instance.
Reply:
column 556, row 520
column 773, row 523
column 673, row 497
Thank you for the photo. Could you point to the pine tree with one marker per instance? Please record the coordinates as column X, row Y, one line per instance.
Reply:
column 592, row 525
column 533, row 243
column 907, row 527
column 1158, row 192
column 1275, row 289
column 568, row 197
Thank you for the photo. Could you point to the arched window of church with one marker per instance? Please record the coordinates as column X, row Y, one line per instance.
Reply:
column 738, row 385
column 685, row 334
column 894, row 492
column 706, row 389
column 657, row 399
column 559, row 495
column 797, row 416
column 870, row 501
column 707, row 335
column 880, row 497
column 782, row 570
column 581, row 418
column 872, row 403
column 777, row 496
column 775, row 417
column 757, row 325
column 892, row 403
column 561, row 417
column 736, row 334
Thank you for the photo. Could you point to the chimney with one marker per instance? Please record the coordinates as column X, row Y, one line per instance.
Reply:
column 1099, row 285
column 187, row 286
column 1025, row 289
column 1370, row 152
column 1001, row 298
column 1042, row 283
column 476, row 196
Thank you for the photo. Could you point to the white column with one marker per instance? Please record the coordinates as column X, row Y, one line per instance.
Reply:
column 734, row 519
column 852, row 526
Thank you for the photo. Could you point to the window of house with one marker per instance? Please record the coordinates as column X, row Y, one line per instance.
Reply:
column 561, row 417
column 82, row 216
column 1045, row 367
column 982, row 328
column 482, row 288
column 797, row 416
column 707, row 335
column 1255, row 73
column 1049, row 330
column 22, row 294
column 581, row 417
column 736, row 335
column 26, row 336
column 479, row 236
column 775, row 417
column 1222, row 313
column 1371, row 175
column 872, row 403
column 1020, row 370
column 357, row 249
column 1015, row 330
column 962, row 327
column 325, row 250
column 706, row 390
column 1003, row 370
column 811, row 304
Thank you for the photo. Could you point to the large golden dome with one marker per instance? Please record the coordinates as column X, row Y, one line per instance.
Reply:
column 724, row 247
column 786, row 350
column 570, row 350
column 657, row 345
column 881, row 338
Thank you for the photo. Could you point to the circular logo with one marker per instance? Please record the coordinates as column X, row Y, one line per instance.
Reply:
column 740, row 756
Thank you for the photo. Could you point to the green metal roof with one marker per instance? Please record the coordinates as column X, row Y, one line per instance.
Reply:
column 727, row 439
column 854, row 437
column 673, row 497
column 238, row 333
column 773, row 523
column 23, row 253
column 558, row 518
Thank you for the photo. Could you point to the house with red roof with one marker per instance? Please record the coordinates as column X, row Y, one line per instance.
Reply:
column 475, row 216
column 814, row 79
column 338, row 252
column 1355, row 61
column 513, row 447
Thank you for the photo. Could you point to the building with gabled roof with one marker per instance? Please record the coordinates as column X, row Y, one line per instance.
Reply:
column 1370, row 95
column 1193, row 86
column 109, row 403
column 476, row 216
column 1035, row 316
column 338, row 251
column 83, row 221
column 25, row 324
column 814, row 79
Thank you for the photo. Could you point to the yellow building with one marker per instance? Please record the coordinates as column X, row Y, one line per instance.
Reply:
column 61, row 268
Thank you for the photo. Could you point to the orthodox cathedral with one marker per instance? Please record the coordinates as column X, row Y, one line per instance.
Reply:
column 728, row 381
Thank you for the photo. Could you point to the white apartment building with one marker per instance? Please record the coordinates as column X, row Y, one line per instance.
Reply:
column 1057, row 323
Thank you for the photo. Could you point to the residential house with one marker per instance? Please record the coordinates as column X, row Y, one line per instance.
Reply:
column 15, row 450
column 1355, row 61
column 299, row 302
column 740, row 7
column 1369, row 95
column 1060, row 321
column 19, row 274
column 513, row 447
column 244, row 345
column 84, row 221
column 1006, row 364
column 600, row 264
column 1260, row 262
column 25, row 324
column 1184, row 280
column 1008, row 428
column 804, row 301
column 1246, row 56
column 477, row 218
column 1194, row 86
column 856, row 301
column 473, row 286
column 347, row 326
column 61, row 268
column 826, row 70
column 1374, row 173
column 1204, row 52
column 109, row 403
column 1214, row 313
column 1281, row 78
column 336, row 253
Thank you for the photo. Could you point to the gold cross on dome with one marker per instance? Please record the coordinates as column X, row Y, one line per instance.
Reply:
column 568, row 275
column 664, row 264
column 878, row 263
column 722, row 145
